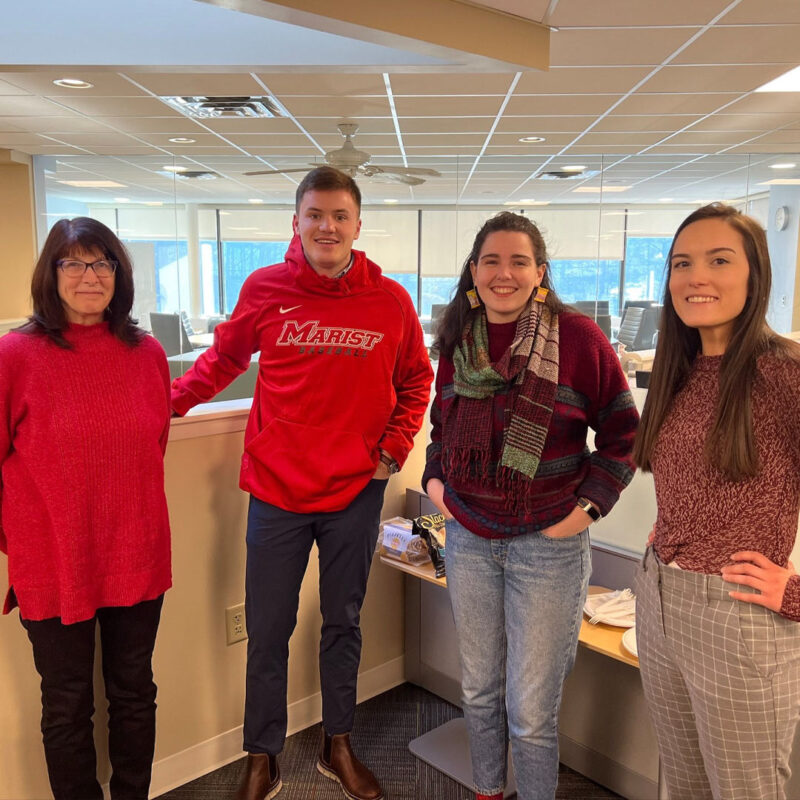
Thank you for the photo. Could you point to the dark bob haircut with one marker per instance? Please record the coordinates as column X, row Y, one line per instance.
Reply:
column 327, row 179
column 67, row 237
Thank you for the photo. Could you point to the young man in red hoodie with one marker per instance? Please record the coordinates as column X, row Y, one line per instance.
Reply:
column 343, row 384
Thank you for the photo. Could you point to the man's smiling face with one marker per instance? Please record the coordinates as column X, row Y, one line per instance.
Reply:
column 328, row 222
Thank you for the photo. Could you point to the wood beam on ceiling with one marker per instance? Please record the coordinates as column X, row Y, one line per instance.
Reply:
column 447, row 29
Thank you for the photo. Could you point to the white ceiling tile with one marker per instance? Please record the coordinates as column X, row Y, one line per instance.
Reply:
column 659, row 104
column 341, row 107
column 621, row 123
column 559, row 104
column 753, row 12
column 192, row 84
column 115, row 106
column 768, row 44
column 581, row 80
column 324, row 84
column 413, row 84
column 616, row 47
column 713, row 78
column 536, row 125
column 457, row 106
column 620, row 13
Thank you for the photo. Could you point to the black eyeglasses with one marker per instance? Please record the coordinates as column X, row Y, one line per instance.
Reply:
column 74, row 267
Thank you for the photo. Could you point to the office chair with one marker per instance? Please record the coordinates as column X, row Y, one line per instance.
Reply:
column 170, row 331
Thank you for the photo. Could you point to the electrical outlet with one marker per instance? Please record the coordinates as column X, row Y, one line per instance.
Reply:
column 235, row 624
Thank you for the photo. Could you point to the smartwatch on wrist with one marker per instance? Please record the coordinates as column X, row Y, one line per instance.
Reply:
column 588, row 507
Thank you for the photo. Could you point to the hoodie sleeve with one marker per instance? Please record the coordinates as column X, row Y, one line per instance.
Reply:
column 412, row 380
column 235, row 341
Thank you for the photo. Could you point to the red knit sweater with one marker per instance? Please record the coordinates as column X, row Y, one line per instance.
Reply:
column 592, row 392
column 703, row 517
column 82, row 438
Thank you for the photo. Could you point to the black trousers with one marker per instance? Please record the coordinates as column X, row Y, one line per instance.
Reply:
column 278, row 545
column 64, row 657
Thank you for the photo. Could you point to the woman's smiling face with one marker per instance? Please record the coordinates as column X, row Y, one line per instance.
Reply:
column 506, row 274
column 709, row 280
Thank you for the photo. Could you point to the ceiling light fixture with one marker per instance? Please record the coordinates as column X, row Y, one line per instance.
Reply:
column 532, row 139
column 255, row 200
column 574, row 168
column 600, row 189
column 785, row 165
column 121, row 200
column 182, row 140
column 391, row 200
column 781, row 182
column 73, row 83
column 95, row 184
column 788, row 82
column 527, row 202
column 174, row 169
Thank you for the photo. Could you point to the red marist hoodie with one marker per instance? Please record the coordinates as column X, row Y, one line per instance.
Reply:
column 343, row 370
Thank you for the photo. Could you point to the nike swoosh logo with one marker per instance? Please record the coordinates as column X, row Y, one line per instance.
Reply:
column 287, row 310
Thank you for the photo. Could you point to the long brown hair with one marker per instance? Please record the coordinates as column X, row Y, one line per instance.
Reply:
column 458, row 311
column 730, row 445
column 65, row 238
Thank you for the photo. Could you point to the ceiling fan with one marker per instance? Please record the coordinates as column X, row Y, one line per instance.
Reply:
column 357, row 162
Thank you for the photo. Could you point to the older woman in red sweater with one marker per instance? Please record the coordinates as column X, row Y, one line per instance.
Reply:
column 84, row 420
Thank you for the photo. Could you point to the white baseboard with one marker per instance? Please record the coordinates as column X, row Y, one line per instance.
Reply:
column 205, row 757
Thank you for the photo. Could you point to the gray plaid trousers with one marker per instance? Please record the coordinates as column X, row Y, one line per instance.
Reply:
column 722, row 683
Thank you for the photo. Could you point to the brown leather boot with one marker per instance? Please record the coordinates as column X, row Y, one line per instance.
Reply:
column 262, row 778
column 338, row 762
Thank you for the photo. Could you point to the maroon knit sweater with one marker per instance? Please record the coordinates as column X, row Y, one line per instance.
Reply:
column 82, row 437
column 592, row 392
column 702, row 516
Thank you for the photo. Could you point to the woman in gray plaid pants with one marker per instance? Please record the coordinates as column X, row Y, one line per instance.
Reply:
column 718, row 601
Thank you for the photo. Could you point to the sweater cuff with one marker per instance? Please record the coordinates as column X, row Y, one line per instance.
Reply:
column 790, row 607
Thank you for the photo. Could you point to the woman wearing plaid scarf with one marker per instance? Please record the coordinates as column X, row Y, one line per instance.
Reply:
column 520, row 380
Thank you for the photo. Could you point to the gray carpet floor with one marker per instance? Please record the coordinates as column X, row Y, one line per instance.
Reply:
column 383, row 728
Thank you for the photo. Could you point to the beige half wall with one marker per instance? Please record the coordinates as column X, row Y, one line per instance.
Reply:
column 200, row 678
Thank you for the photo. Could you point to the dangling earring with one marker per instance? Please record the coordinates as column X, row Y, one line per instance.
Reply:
column 472, row 296
column 541, row 294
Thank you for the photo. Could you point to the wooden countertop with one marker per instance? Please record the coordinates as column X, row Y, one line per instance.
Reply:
column 602, row 638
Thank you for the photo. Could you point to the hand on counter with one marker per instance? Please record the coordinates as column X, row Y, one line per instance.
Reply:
column 435, row 490
column 757, row 571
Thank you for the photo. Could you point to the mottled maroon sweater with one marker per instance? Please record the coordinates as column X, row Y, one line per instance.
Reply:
column 702, row 516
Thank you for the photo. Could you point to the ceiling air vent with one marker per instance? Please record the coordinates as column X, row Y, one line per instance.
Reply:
column 211, row 107
column 565, row 175
column 190, row 174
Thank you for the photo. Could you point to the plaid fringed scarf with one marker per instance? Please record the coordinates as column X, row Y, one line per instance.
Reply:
column 530, row 368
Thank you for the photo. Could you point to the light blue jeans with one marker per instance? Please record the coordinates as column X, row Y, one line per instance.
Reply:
column 517, row 604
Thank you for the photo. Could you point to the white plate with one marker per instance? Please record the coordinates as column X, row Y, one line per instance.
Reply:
column 629, row 641
column 594, row 601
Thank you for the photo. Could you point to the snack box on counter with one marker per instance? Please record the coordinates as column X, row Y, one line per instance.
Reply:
column 399, row 541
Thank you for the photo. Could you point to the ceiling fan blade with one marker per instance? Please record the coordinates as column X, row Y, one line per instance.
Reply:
column 398, row 169
column 281, row 171
column 408, row 180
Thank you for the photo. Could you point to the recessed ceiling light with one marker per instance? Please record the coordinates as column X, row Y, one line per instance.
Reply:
column 182, row 140
column 391, row 200
column 121, row 200
column 174, row 169
column 95, row 184
column 781, row 182
column 786, row 165
column 73, row 83
column 155, row 203
column 255, row 200
column 527, row 202
column 574, row 168
column 788, row 82
column 532, row 139
column 599, row 189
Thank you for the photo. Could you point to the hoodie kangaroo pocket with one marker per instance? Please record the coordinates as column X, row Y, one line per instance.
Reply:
column 310, row 460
